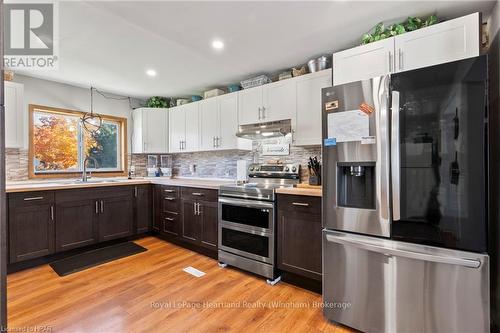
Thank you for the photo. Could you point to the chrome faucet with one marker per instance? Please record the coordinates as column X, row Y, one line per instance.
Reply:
column 84, row 173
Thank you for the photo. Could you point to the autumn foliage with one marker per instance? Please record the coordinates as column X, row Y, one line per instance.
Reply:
column 55, row 142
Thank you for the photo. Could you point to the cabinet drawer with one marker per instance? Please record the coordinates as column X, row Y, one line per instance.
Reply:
column 31, row 198
column 169, row 191
column 170, row 223
column 299, row 204
column 199, row 194
column 170, row 204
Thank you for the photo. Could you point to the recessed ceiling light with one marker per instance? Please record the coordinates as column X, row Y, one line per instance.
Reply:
column 218, row 44
column 151, row 72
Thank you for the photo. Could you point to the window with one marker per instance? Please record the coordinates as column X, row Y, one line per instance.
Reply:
column 59, row 144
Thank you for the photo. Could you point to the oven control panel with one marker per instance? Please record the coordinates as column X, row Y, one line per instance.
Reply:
column 258, row 170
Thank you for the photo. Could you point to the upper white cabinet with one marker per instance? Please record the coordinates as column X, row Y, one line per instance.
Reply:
column 192, row 141
column 209, row 123
column 177, row 129
column 219, row 124
column 250, row 106
column 444, row 42
column 228, row 123
column 150, row 130
column 308, row 122
column 14, row 115
column 270, row 102
column 184, row 129
column 363, row 62
column 279, row 100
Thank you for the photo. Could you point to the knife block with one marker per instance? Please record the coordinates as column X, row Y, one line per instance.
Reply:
column 314, row 180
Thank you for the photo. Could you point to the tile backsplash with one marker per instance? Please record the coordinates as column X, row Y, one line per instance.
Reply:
column 222, row 164
column 210, row 164
column 16, row 164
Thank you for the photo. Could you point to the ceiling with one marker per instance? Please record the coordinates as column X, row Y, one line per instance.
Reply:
column 110, row 45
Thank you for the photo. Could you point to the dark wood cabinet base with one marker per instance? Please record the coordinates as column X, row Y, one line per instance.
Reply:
column 188, row 245
column 302, row 282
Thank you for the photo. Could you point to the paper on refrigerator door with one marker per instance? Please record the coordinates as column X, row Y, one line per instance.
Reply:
column 348, row 126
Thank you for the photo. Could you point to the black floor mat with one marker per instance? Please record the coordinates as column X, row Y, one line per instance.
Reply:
column 93, row 258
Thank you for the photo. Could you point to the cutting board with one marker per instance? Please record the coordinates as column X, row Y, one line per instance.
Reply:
column 305, row 185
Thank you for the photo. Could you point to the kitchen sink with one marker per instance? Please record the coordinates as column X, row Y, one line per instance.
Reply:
column 95, row 181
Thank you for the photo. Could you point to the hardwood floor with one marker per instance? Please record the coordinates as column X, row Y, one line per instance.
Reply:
column 149, row 292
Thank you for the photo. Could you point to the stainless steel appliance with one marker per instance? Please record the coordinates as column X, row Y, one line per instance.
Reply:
column 404, row 201
column 247, row 219
column 262, row 131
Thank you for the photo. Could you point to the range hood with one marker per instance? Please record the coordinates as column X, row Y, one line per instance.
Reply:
column 267, row 130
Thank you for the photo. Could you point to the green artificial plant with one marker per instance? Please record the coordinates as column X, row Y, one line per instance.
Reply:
column 412, row 23
column 158, row 102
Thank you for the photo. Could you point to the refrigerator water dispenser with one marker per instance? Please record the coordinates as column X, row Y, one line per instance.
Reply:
column 356, row 185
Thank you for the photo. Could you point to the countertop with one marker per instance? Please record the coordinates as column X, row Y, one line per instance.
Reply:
column 312, row 192
column 61, row 184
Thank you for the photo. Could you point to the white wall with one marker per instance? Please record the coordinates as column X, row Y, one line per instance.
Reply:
column 59, row 95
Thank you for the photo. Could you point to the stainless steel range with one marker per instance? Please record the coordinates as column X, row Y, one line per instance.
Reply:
column 247, row 219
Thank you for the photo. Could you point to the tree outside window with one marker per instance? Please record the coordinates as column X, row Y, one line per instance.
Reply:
column 60, row 143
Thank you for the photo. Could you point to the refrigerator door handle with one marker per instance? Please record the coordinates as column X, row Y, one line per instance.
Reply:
column 470, row 263
column 395, row 157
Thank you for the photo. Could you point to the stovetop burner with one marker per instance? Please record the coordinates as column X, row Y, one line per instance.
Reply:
column 264, row 179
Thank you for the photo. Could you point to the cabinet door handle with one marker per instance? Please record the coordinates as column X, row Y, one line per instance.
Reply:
column 194, row 208
column 169, row 191
column 199, row 210
column 198, row 194
column 33, row 198
column 135, row 191
column 302, row 204
column 169, row 198
column 96, row 207
column 52, row 212
column 180, row 145
column 263, row 112
column 259, row 113
column 217, row 141
column 169, row 219
column 102, row 206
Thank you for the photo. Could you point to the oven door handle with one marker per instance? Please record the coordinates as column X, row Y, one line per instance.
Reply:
column 232, row 226
column 246, row 197
column 246, row 203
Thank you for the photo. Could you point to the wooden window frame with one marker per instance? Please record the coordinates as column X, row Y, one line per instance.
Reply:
column 113, row 173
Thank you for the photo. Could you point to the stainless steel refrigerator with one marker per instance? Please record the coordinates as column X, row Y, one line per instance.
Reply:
column 405, row 201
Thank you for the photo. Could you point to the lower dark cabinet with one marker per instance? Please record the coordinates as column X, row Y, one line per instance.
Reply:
column 167, row 219
column 46, row 222
column 116, row 216
column 190, row 221
column 187, row 214
column 76, row 220
column 31, row 225
column 209, row 224
column 299, row 235
column 170, row 224
column 143, row 208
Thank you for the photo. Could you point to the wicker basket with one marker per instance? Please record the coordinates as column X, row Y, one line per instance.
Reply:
column 255, row 81
column 298, row 72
